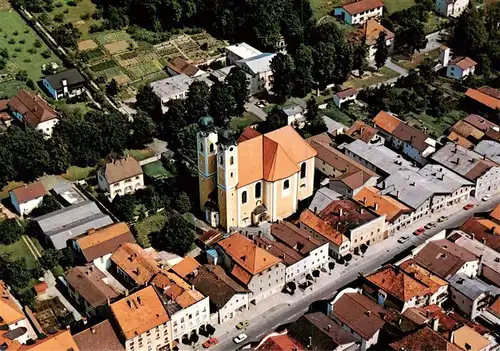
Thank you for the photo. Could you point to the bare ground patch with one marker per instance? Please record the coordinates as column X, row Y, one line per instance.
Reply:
column 86, row 45
column 116, row 47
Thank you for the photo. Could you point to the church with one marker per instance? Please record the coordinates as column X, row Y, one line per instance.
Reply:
column 254, row 178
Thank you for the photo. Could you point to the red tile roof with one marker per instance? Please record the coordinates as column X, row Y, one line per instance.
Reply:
column 322, row 227
column 361, row 130
column 485, row 99
column 463, row 62
column 3, row 105
column 121, row 169
column 423, row 339
column 346, row 214
column 98, row 337
column 179, row 65
column 29, row 192
column 479, row 122
column 490, row 91
column 34, row 109
column 356, row 7
column 347, row 93
column 281, row 343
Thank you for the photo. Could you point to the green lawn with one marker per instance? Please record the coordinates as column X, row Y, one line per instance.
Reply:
column 323, row 7
column 417, row 59
column 434, row 22
column 4, row 193
column 11, row 87
column 247, row 119
column 17, row 37
column 381, row 76
column 78, row 173
column 19, row 249
column 398, row 5
column 74, row 14
column 147, row 226
column 139, row 155
column 156, row 170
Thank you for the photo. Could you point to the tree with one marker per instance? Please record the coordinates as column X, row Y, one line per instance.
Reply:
column 176, row 236
column 237, row 80
column 197, row 101
column 304, row 64
column 222, row 103
column 67, row 258
column 50, row 258
column 411, row 37
column 67, row 35
column 112, row 87
column 22, row 75
column 382, row 51
column 426, row 69
column 317, row 126
column 143, row 130
column 360, row 52
column 124, row 207
column 149, row 102
column 469, row 36
column 325, row 63
column 274, row 120
column 10, row 231
column 283, row 70
column 312, row 109
column 49, row 204
column 182, row 202
column 14, row 271
column 331, row 265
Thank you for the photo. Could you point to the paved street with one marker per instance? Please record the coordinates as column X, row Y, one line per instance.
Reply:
column 250, row 106
column 284, row 308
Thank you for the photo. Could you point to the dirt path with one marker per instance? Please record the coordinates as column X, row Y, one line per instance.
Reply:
column 34, row 251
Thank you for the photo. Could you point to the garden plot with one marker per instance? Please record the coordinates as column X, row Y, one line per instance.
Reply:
column 86, row 45
column 117, row 47
column 110, row 37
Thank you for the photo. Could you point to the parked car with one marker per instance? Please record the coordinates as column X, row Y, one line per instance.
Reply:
column 403, row 239
column 242, row 324
column 468, row 206
column 210, row 342
column 240, row 338
column 419, row 231
column 486, row 197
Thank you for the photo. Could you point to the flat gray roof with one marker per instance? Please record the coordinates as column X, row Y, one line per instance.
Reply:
column 171, row 86
column 292, row 110
column 69, row 222
column 243, row 50
column 260, row 63
column 379, row 156
column 491, row 258
column 323, row 197
column 490, row 149
column 472, row 287
column 333, row 125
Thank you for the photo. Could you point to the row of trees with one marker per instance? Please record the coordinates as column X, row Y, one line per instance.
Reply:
column 78, row 139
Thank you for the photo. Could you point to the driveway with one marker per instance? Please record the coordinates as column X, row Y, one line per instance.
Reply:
column 52, row 292
column 250, row 106
column 391, row 65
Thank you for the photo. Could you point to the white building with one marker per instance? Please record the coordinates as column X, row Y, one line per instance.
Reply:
column 27, row 197
column 293, row 114
column 241, row 51
column 461, row 67
column 171, row 88
column 345, row 95
column 120, row 177
column 359, row 12
column 451, row 8
column 259, row 67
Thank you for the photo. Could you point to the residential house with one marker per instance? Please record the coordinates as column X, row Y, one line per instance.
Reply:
column 69, row 222
column 446, row 259
column 13, row 319
column 100, row 336
column 368, row 35
column 120, row 177
column 171, row 88
column 8, row 342
column 134, row 265
column 253, row 267
column 338, row 244
column 481, row 123
column 68, row 83
column 186, row 267
column 471, row 294
column 396, row 213
column 259, row 68
column 60, row 340
column 300, row 252
column 345, row 95
column 34, row 111
column 489, row 264
column 468, row 339
column 427, row 191
column 360, row 316
column 451, row 8
column 437, row 287
column 487, row 98
column 294, row 114
column 319, row 332
column 143, row 321
column 187, row 307
column 463, row 130
column 409, row 140
column 279, row 342
column 423, row 339
column 358, row 12
column 364, row 132
column 240, row 51
column 179, row 65
column 88, row 287
column 99, row 244
column 460, row 67
column 322, row 198
column 484, row 173
column 5, row 117
column 346, row 175
column 489, row 149
column 256, row 178
column 228, row 299
column 27, row 197
column 485, row 229
column 333, row 127
column 360, row 224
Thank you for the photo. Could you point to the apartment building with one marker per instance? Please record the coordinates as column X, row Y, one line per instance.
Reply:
column 120, row 177
column 133, row 265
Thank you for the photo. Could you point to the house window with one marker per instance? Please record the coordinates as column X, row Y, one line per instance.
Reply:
column 244, row 197
column 286, row 184
column 221, row 159
column 211, row 147
column 258, row 190
column 303, row 170
column 231, row 160
column 201, row 146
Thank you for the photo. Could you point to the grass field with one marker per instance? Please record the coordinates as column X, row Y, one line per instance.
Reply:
column 156, row 170
column 323, row 7
column 4, row 193
column 11, row 87
column 147, row 226
column 78, row 173
column 75, row 13
column 19, row 249
column 19, row 40
column 381, row 76
column 247, row 119
column 417, row 59
column 139, row 155
column 398, row 5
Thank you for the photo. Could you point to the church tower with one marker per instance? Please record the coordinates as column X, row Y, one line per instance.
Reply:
column 227, row 178
column 206, row 140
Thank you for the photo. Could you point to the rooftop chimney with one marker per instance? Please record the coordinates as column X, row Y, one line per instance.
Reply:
column 139, row 300
column 92, row 330
column 435, row 323
column 376, row 206
column 340, row 212
column 368, row 313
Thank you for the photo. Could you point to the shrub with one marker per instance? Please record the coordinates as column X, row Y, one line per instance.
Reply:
column 66, row 11
column 12, row 41
column 22, row 41
column 18, row 49
column 37, row 43
column 15, row 33
column 59, row 18
column 46, row 54
column 85, row 16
